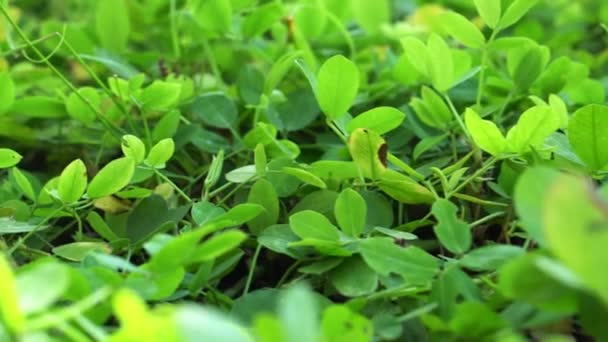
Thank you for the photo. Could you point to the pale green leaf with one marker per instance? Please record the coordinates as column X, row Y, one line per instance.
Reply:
column 112, row 178
column 485, row 133
column 337, row 86
column 72, row 182
column 462, row 30
column 380, row 119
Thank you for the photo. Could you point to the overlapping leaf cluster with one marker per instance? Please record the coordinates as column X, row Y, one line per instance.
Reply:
column 307, row 170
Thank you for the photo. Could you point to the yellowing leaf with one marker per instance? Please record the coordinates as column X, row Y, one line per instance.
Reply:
column 369, row 151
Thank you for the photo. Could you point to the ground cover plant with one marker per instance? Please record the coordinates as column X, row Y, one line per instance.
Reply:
column 310, row 170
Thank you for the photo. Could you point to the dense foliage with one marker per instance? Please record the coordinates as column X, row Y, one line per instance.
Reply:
column 306, row 170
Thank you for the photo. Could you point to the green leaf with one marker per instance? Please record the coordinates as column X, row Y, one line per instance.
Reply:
column 485, row 133
column 369, row 151
column 112, row 24
column 335, row 169
column 305, row 176
column 462, row 30
column 432, row 109
column 475, row 321
column 214, row 16
column 353, row 278
column 532, row 128
column 587, row 91
column 160, row 95
column 522, row 279
column 160, row 153
column 351, row 211
column 10, row 226
column 239, row 214
column 215, row 169
column 440, row 63
column 515, row 12
column 261, row 19
column 112, row 178
column 100, row 226
column 9, row 158
column 489, row 11
column 311, row 19
column 559, row 107
column 278, row 238
column 260, row 161
column 242, row 174
column 13, row 317
column 203, row 324
column 7, row 92
column 150, row 216
column 167, row 126
column 77, row 251
column 72, row 182
column 337, row 86
column 526, row 64
column 250, row 84
column 380, row 120
column 36, row 293
column 490, row 258
column 299, row 311
column 218, row 245
column 575, row 224
column 417, row 53
column 340, row 324
column 23, row 183
column 80, row 110
column 412, row 263
column 453, row 233
column 311, row 224
column 133, row 147
column 530, row 191
column 404, row 189
column 203, row 212
column 262, row 192
column 371, row 15
column 397, row 234
column 216, row 110
column 588, row 135
column 42, row 107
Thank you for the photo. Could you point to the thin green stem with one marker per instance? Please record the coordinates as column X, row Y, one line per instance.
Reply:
column 218, row 190
column 503, row 108
column 72, row 333
column 336, row 130
column 212, row 62
column 174, row 34
column 287, row 273
column 21, row 241
column 418, row 312
column 91, row 329
column 173, row 185
column 488, row 164
column 109, row 125
column 254, row 262
column 482, row 72
column 232, row 192
column 18, row 48
column 398, row 292
column 456, row 115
